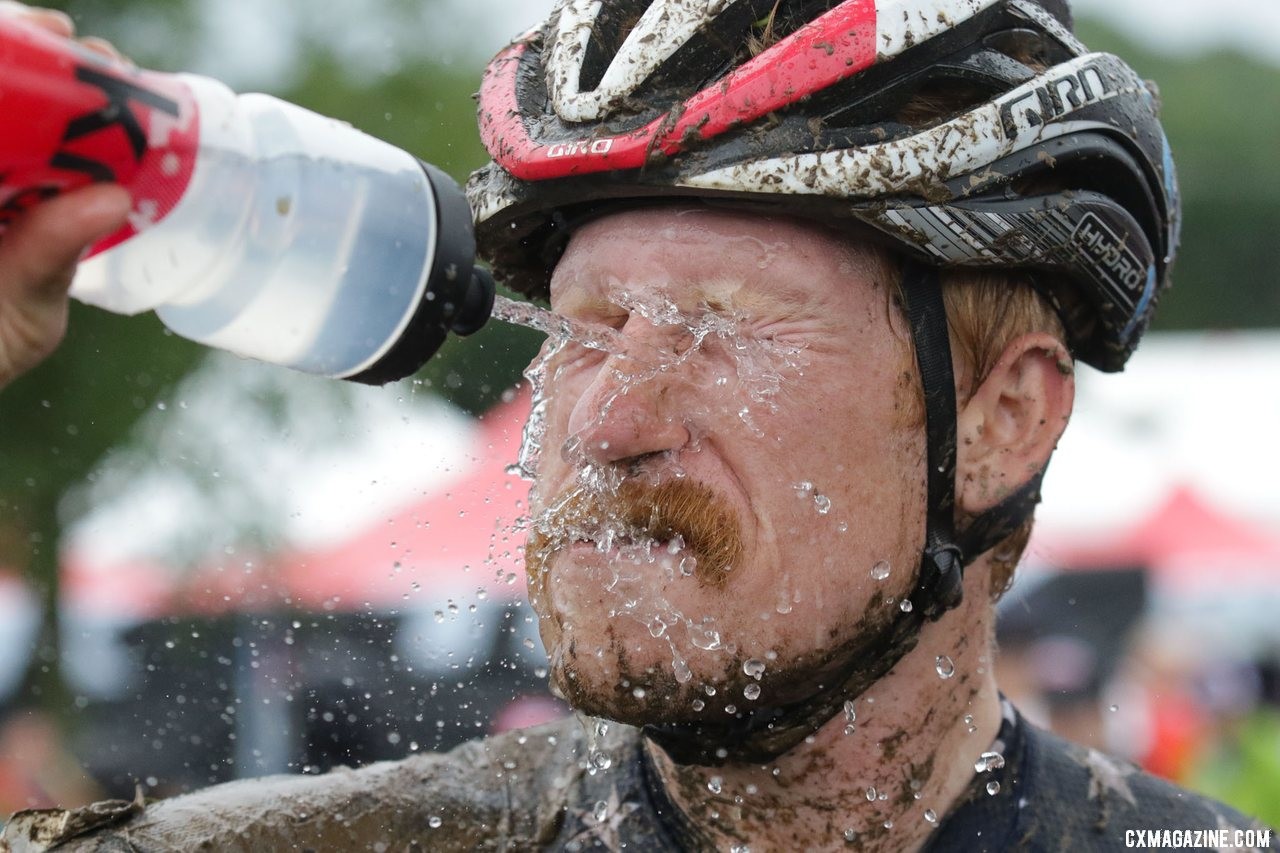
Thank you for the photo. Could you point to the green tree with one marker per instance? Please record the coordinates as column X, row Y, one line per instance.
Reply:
column 1222, row 114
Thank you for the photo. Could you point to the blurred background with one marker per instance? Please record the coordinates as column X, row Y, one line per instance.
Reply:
column 211, row 569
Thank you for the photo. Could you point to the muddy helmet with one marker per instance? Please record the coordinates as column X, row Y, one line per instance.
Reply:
column 962, row 133
column 1047, row 157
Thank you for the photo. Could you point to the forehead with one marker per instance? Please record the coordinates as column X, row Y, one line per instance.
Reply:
column 711, row 255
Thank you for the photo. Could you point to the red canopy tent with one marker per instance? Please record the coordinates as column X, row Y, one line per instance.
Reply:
column 448, row 544
column 1185, row 539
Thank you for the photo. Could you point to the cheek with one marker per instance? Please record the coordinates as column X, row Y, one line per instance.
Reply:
column 841, row 499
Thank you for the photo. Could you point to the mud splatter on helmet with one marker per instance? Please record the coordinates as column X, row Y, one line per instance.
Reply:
column 1032, row 154
column 1056, row 161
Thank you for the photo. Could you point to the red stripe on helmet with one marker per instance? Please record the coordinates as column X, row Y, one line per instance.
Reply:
column 825, row 51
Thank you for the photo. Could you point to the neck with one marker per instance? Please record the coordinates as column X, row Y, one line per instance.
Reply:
column 884, row 781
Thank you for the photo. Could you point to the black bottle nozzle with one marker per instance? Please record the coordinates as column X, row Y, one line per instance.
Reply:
column 477, row 304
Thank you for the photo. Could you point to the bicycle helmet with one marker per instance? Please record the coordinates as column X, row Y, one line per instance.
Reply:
column 1038, row 156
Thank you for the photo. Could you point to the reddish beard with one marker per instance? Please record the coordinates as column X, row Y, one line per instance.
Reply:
column 639, row 510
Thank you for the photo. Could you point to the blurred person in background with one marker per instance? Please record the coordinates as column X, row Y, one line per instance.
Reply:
column 36, row 769
column 837, row 264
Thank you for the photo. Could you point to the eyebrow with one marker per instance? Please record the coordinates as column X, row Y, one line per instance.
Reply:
column 788, row 295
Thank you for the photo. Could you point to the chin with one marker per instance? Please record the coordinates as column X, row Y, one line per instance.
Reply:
column 620, row 690
column 611, row 666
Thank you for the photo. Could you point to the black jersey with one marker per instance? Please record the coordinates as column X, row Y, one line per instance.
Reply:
column 555, row 788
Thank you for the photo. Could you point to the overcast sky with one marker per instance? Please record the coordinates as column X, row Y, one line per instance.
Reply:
column 252, row 43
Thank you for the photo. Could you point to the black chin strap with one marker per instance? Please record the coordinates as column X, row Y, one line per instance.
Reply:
column 941, row 582
column 762, row 734
column 939, row 586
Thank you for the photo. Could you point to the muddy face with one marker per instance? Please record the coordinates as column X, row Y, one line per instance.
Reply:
column 723, row 487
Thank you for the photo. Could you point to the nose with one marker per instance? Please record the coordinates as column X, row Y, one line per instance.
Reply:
column 627, row 412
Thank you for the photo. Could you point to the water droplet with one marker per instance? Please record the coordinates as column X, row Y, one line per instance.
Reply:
column 698, row 704
column 946, row 668
column 754, row 668
column 880, row 570
column 871, row 795
column 638, row 693
column 969, row 724
column 822, row 503
column 850, row 835
column 905, row 605
column 705, row 639
column 683, row 674
column 715, row 784
column 739, row 848
column 803, row 489
column 597, row 761
column 600, row 811
column 888, row 824
column 988, row 761
column 751, row 691
column 993, row 788
column 930, row 815
column 434, row 822
column 1113, row 708
column 850, row 711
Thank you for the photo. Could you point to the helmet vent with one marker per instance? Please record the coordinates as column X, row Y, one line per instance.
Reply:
column 614, row 23
column 622, row 49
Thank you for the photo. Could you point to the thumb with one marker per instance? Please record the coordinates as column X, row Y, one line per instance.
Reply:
column 39, row 253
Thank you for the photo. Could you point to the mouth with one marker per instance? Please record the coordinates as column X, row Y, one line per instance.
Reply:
column 670, row 554
column 675, row 527
column 630, row 541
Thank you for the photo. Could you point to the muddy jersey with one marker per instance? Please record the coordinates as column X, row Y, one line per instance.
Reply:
column 549, row 789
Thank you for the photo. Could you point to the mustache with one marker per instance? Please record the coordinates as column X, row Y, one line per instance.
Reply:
column 640, row 510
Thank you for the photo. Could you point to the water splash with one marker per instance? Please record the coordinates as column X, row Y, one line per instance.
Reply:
column 597, row 759
column 850, row 717
column 667, row 340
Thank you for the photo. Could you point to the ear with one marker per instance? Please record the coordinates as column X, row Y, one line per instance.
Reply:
column 1008, row 429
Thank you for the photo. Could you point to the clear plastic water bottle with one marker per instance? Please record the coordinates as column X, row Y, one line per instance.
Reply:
column 257, row 226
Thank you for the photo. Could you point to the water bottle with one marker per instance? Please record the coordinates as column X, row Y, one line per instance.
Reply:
column 257, row 226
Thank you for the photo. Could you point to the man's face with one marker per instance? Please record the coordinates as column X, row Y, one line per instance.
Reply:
column 728, row 489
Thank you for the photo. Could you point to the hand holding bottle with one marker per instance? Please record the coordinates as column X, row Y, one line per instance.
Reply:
column 39, row 252
column 256, row 226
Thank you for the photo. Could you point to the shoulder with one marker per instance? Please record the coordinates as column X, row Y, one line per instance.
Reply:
column 1102, row 801
column 501, row 792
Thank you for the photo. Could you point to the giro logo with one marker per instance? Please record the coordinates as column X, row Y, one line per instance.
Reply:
column 1056, row 98
column 580, row 148
column 1109, row 251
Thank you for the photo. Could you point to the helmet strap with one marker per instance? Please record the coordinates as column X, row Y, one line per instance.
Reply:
column 940, row 586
